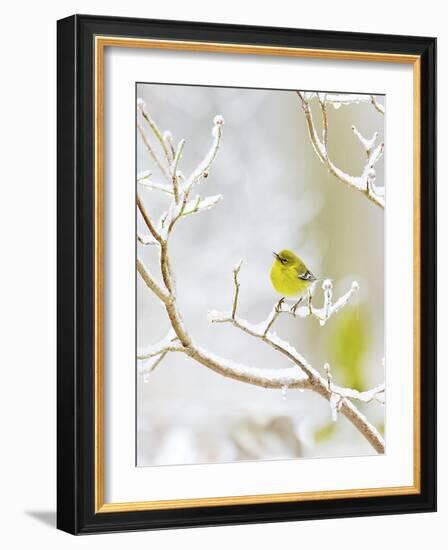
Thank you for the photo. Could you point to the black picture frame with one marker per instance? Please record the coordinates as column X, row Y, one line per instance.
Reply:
column 76, row 272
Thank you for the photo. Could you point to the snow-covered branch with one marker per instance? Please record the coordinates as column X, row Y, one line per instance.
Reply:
column 146, row 240
column 166, row 344
column 300, row 375
column 338, row 397
column 364, row 183
column 151, row 283
column 338, row 394
column 329, row 307
column 203, row 169
column 322, row 314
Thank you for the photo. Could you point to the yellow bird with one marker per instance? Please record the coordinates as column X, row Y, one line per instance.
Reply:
column 290, row 276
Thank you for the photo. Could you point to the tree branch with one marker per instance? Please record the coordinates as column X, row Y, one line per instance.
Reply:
column 151, row 152
column 329, row 307
column 203, row 169
column 363, row 183
column 176, row 160
column 147, row 367
column 155, row 130
column 151, row 284
column 315, row 381
column 165, row 345
column 300, row 375
column 377, row 105
column 148, row 221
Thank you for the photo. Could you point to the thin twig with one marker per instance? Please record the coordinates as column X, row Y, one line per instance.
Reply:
column 324, row 120
column 360, row 183
column 166, row 349
column 322, row 314
column 377, row 105
column 174, row 169
column 156, row 186
column 236, row 270
column 146, row 240
column 316, row 381
column 203, row 169
column 301, row 375
column 151, row 284
column 146, row 371
column 153, row 155
column 157, row 133
column 148, row 221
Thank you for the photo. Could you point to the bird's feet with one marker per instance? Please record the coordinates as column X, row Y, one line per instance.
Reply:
column 295, row 306
column 279, row 304
column 310, row 297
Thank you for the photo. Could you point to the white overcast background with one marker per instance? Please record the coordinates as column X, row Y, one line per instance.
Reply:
column 276, row 194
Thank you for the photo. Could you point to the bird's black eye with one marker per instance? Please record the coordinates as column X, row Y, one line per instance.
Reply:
column 283, row 260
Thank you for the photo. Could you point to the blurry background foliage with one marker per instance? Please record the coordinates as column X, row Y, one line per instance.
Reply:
column 348, row 344
column 276, row 194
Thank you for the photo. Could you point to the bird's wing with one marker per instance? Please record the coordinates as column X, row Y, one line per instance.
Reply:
column 306, row 275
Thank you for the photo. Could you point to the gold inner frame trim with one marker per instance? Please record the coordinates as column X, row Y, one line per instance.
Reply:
column 101, row 42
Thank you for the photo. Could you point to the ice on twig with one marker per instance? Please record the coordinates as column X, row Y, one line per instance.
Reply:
column 147, row 240
column 337, row 100
column 167, row 137
column 214, row 316
column 319, row 142
column 237, row 267
column 348, row 99
column 177, row 157
column 342, row 301
column 145, row 174
column 366, row 143
column 203, row 168
column 156, row 186
column 335, row 402
column 329, row 307
column 199, row 205
column 328, row 374
column 375, row 394
column 181, row 209
column 155, row 349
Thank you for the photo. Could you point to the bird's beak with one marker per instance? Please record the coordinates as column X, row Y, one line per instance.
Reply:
column 276, row 255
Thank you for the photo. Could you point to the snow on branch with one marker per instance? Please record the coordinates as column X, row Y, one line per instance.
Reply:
column 146, row 240
column 336, row 100
column 145, row 368
column 166, row 344
column 338, row 397
column 328, row 309
column 300, row 374
column 322, row 314
column 155, row 130
column 150, row 357
column 202, row 170
column 365, row 183
column 338, row 394
column 200, row 204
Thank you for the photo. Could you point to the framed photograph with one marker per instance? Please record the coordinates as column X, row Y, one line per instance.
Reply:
column 246, row 274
